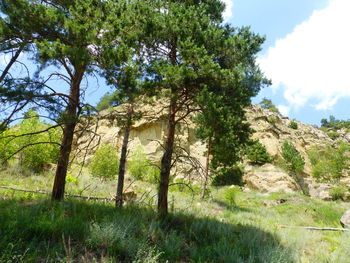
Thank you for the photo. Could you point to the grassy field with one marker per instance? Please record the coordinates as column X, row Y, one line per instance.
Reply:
column 229, row 226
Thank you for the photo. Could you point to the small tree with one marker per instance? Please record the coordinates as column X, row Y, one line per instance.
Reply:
column 268, row 105
column 38, row 149
column 294, row 161
column 257, row 153
column 330, row 163
column 138, row 164
column 105, row 162
column 35, row 142
column 141, row 168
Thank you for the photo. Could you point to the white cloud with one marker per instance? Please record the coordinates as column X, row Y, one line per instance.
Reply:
column 312, row 62
column 228, row 10
column 283, row 109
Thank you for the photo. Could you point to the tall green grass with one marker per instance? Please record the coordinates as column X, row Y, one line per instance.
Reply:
column 34, row 230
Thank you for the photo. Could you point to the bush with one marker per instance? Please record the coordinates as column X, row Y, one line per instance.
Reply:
column 257, row 153
column 71, row 179
column 330, row 163
column 293, row 125
column 7, row 146
column 228, row 176
column 105, row 163
column 45, row 150
column 272, row 120
column 230, row 196
column 333, row 135
column 141, row 168
column 338, row 192
column 294, row 161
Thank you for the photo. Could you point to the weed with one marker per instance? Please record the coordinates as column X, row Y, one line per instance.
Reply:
column 293, row 125
column 231, row 195
column 339, row 191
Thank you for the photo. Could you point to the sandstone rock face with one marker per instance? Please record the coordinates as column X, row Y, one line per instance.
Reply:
column 345, row 219
column 272, row 129
column 269, row 178
column 149, row 134
column 320, row 190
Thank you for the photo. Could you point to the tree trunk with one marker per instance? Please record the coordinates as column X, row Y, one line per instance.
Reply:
column 67, row 139
column 122, row 162
column 166, row 161
column 206, row 174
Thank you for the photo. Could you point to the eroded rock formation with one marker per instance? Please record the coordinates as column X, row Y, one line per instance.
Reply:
column 271, row 129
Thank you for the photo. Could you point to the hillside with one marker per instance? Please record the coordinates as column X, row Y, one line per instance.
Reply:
column 270, row 128
column 262, row 221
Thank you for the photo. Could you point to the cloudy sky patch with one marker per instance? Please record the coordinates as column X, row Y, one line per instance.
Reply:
column 311, row 63
column 228, row 13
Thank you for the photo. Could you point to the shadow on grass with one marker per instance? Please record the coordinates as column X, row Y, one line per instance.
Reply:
column 77, row 231
column 234, row 207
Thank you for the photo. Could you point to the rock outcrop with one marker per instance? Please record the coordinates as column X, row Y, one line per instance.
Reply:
column 271, row 129
column 269, row 178
column 345, row 219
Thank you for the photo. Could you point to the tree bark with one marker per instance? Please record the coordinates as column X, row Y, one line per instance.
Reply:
column 122, row 162
column 68, row 134
column 206, row 174
column 166, row 161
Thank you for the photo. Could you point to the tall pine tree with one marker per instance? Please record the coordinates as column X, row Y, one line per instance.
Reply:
column 202, row 67
column 69, row 35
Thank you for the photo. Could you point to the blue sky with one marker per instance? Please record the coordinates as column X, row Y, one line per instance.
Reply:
column 306, row 53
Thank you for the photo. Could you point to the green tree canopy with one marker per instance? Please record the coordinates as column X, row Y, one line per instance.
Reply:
column 268, row 105
column 201, row 67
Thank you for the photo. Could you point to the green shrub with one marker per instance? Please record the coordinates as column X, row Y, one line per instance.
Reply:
column 71, row 179
column 338, row 192
column 333, row 135
column 268, row 105
column 294, row 161
column 330, row 163
column 105, row 162
column 141, row 168
column 7, row 146
column 228, row 176
column 293, row 125
column 257, row 153
column 45, row 148
column 324, row 170
column 138, row 164
column 153, row 174
column 272, row 120
column 230, row 195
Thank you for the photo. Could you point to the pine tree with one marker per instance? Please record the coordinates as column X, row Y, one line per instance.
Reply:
column 202, row 67
column 69, row 35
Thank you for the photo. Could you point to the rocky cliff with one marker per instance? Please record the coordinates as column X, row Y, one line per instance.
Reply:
column 271, row 129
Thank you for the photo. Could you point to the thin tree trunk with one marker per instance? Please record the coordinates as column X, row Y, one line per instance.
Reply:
column 122, row 162
column 166, row 161
column 67, row 139
column 206, row 174
column 9, row 65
